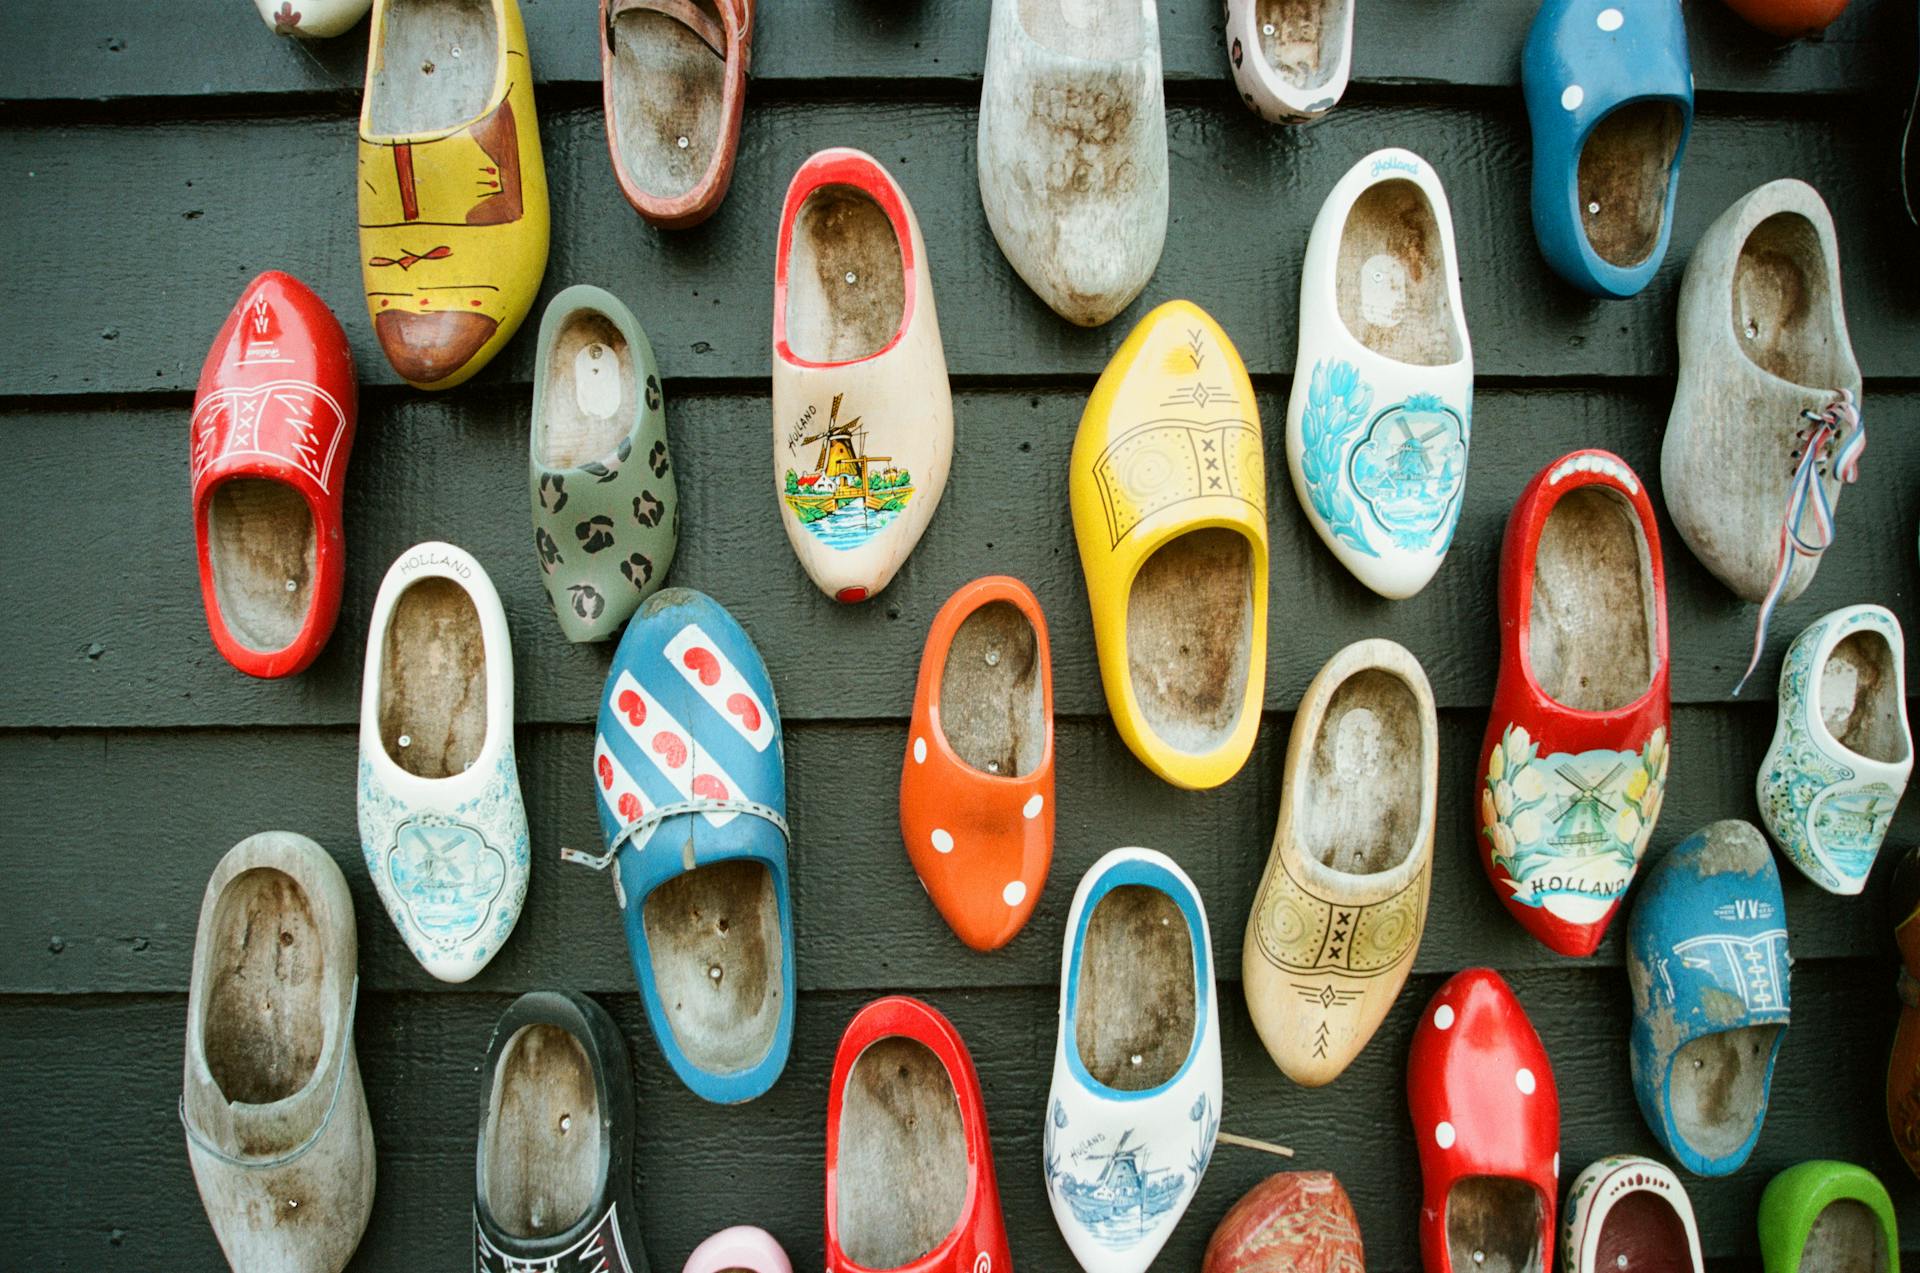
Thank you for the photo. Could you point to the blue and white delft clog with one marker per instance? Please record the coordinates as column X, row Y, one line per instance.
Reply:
column 691, row 776
column 1609, row 91
column 1134, row 1109
column 1707, row 960
column 1842, row 752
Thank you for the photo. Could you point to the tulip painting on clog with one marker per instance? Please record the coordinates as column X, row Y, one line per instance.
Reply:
column 1291, row 1222
column 1842, row 752
column 311, row 19
column 1822, row 1216
column 1290, row 59
column 1630, row 1213
column 1903, row 1065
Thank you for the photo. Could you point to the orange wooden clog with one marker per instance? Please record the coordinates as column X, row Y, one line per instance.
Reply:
column 1789, row 19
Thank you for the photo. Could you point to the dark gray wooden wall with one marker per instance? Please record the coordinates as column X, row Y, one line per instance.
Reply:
column 154, row 157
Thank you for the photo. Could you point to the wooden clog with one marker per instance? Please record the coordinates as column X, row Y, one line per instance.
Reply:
column 673, row 74
column 1609, row 89
column 1340, row 909
column 311, row 19
column 1573, row 771
column 976, row 787
column 1486, row 1116
column 910, row 1180
column 1903, row 1064
column 453, row 189
column 272, row 429
column 1134, row 1108
column 1291, row 1222
column 1789, row 19
column 441, row 821
column 1382, row 405
column 1169, row 491
column 1630, row 1213
column 553, row 1169
column 862, row 412
column 1290, row 59
column 1827, row 1217
column 606, row 505
column 741, row 1249
column 1842, row 750
column 1910, row 157
column 275, row 1115
column 1073, row 149
column 1707, row 961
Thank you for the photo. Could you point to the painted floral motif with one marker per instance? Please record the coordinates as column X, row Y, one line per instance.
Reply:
column 1337, row 405
column 1112, row 1185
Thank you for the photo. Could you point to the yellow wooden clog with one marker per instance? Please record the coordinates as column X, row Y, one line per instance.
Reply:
column 453, row 190
column 1169, row 492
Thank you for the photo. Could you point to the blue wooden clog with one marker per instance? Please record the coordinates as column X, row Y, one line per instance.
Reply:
column 1609, row 92
column 1707, row 959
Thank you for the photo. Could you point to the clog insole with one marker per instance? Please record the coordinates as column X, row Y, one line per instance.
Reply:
column 1625, row 170
column 1718, row 1089
column 588, row 407
column 1642, row 1234
column 990, row 702
column 542, row 1153
column 265, row 1014
column 902, row 1163
column 668, row 86
column 1858, row 701
column 846, row 287
column 1845, row 1238
column 1366, row 777
column 435, row 66
column 1783, row 304
column 433, row 680
column 1391, row 277
column 1190, row 637
column 1301, row 38
column 1591, row 638
column 1135, row 1016
column 260, row 545
column 1085, row 30
column 1493, row 1225
column 714, row 937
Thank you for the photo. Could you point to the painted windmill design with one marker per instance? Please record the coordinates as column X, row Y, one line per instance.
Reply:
column 843, row 472
column 1580, row 821
column 1120, row 1202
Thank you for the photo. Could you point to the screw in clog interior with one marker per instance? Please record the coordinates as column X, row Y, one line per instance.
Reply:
column 1290, row 58
column 273, row 425
column 1789, row 19
column 862, row 412
column 1903, row 1064
column 274, row 1111
column 1291, row 1222
column 1632, row 1214
column 606, row 504
column 311, row 19
column 1827, row 1217
column 910, row 1181
column 1134, row 1107
column 452, row 188
column 1169, row 491
column 553, row 1167
column 1341, row 907
column 1842, row 750
column 1573, row 771
column 441, row 821
column 976, row 787
column 1486, row 1117
column 1707, row 961
column 1381, row 410
column 1609, row 90
column 741, row 1249
column 1073, row 149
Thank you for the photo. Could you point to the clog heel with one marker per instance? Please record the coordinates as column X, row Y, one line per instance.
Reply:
column 1903, row 1064
column 741, row 1249
column 1291, row 1222
column 311, row 19
column 1632, row 1213
column 1290, row 58
column 1827, row 1217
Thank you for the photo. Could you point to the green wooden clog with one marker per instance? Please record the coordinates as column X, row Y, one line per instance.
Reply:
column 1827, row 1217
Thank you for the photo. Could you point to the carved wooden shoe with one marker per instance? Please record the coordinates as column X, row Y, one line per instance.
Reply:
column 1073, row 149
column 1827, row 1217
column 311, row 19
column 1339, row 913
column 1291, row 1222
column 741, row 1249
column 1707, row 960
column 1290, row 60
column 1903, row 1065
column 1630, row 1213
column 1789, row 19
column 275, row 1116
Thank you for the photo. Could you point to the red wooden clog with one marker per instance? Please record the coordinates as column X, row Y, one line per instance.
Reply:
column 272, row 428
column 910, row 1182
column 1486, row 1117
column 976, row 788
column 1574, row 767
column 1789, row 19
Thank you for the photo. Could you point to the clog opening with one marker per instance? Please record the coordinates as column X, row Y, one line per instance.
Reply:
column 433, row 680
column 543, row 1161
column 1592, row 637
column 1493, row 1226
column 901, row 1167
column 1190, row 637
column 991, row 708
column 589, row 402
column 1366, row 777
column 266, row 1013
column 434, row 67
column 1718, row 1090
column 1625, row 169
column 846, row 278
column 1392, row 277
column 1136, row 1014
column 262, row 552
column 1783, row 305
column 1093, row 30
column 1859, row 698
column 714, row 937
column 1642, row 1233
column 1301, row 38
column 1845, row 1238
column 669, row 78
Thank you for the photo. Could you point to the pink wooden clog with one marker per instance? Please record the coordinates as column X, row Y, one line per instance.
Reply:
column 741, row 1249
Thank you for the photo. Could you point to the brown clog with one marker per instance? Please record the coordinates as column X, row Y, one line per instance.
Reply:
column 1291, row 1222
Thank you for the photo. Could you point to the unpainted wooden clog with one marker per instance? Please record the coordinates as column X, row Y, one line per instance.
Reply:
column 1169, row 492
column 441, row 821
column 1341, row 907
column 1707, row 961
column 862, row 412
column 273, row 425
column 1629, row 1213
column 1789, row 19
column 741, row 1249
column 976, row 787
column 1291, row 1222
column 1903, row 1063
column 1290, row 60
column 453, row 189
column 311, row 19
column 1823, row 1216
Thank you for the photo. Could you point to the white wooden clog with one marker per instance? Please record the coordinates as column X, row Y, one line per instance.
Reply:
column 311, row 19
column 1632, row 1213
column 1290, row 59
